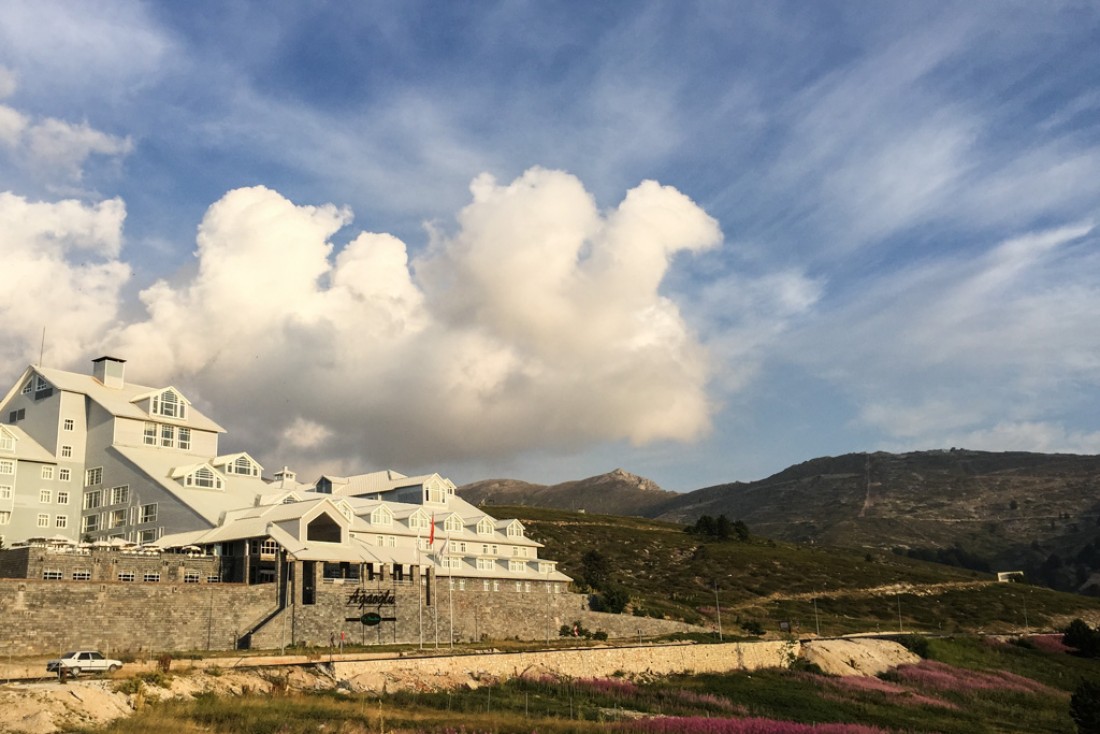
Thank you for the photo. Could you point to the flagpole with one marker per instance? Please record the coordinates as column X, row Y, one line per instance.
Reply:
column 450, row 591
column 419, row 588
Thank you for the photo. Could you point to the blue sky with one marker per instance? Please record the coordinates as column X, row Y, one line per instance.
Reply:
column 700, row 241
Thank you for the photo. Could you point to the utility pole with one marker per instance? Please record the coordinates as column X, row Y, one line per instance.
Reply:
column 900, row 628
column 718, row 610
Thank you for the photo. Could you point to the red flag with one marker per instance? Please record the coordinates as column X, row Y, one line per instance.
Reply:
column 431, row 533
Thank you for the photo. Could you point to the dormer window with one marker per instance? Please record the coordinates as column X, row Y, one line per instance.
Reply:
column 381, row 516
column 453, row 524
column 418, row 521
column 169, row 404
column 201, row 476
column 435, row 495
column 243, row 466
column 346, row 511
column 485, row 526
column 514, row 529
column 7, row 441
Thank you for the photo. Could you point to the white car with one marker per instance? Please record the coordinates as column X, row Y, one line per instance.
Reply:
column 83, row 661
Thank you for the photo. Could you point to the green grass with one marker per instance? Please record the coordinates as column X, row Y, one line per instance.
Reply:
column 672, row 574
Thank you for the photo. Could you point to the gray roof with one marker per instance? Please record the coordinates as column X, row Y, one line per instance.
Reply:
column 26, row 448
column 210, row 504
column 119, row 401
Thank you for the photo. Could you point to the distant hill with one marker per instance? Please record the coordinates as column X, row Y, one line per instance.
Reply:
column 616, row 493
column 1038, row 513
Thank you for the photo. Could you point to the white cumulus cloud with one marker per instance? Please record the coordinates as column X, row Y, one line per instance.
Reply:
column 60, row 273
column 537, row 323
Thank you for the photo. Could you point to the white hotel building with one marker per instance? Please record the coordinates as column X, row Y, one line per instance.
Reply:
column 94, row 458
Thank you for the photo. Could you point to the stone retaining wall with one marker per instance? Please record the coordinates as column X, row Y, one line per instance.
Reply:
column 43, row 617
column 442, row 672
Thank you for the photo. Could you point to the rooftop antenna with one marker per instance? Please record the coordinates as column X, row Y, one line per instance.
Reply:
column 42, row 348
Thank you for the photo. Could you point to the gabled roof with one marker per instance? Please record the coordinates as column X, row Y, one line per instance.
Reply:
column 160, row 466
column 26, row 448
column 118, row 401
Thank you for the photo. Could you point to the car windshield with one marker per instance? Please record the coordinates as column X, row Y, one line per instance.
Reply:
column 96, row 656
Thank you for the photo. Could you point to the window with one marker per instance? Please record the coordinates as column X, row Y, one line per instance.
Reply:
column 29, row 387
column 519, row 586
column 68, row 425
column 5, row 491
column 43, row 520
column 120, row 495
column 7, row 443
column 205, row 477
column 150, row 434
column 82, row 575
column 485, row 564
column 52, row 575
column 90, row 524
column 546, row 568
column 126, row 576
column 418, row 521
column 167, row 435
column 485, row 526
column 47, row 472
column 147, row 536
column 423, row 544
column 64, row 475
column 117, row 518
column 453, row 524
column 66, row 452
column 517, row 566
column 45, row 496
column 190, row 577
column 5, row 517
column 183, row 438
column 61, row 521
column 151, row 578
column 169, row 404
column 7, row 466
column 485, row 584
column 93, row 477
column 461, row 584
column 452, row 562
column 515, row 530
column 435, row 495
column 460, row 547
column 381, row 516
column 496, row 585
column 213, row 579
column 526, row 587
column 387, row 541
column 243, row 465
column 149, row 514
column 92, row 499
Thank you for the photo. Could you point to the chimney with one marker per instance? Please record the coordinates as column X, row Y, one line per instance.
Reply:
column 110, row 371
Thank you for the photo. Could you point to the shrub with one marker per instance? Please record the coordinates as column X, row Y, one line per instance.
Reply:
column 1082, row 637
column 916, row 644
column 1084, row 707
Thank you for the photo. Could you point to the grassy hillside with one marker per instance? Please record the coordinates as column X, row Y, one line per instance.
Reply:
column 670, row 573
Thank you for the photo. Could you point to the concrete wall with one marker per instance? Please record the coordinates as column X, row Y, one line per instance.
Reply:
column 42, row 617
column 579, row 663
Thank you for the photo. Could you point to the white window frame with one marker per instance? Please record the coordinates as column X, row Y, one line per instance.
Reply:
column 120, row 495
column 151, row 433
column 116, row 518
column 453, row 524
column 93, row 476
column 93, row 499
column 515, row 530
column 5, row 517
column 183, row 438
column 198, row 478
column 64, row 474
column 66, row 451
column 90, row 523
column 148, row 513
column 7, row 466
column 45, row 496
column 47, row 472
column 485, row 564
column 62, row 498
column 517, row 566
column 419, row 521
column 61, row 521
column 43, row 520
column 169, row 407
column 381, row 516
column 5, row 491
column 68, row 424
column 127, row 576
column 485, row 526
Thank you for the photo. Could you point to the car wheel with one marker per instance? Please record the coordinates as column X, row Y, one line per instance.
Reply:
column 112, row 669
column 74, row 672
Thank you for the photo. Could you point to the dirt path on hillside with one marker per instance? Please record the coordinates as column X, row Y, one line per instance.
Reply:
column 888, row 590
